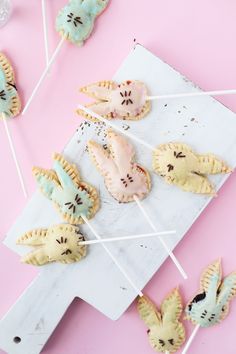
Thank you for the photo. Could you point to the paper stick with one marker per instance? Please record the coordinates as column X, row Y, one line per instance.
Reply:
column 172, row 256
column 45, row 31
column 18, row 169
column 138, row 291
column 51, row 61
column 125, row 238
column 115, row 127
column 192, row 94
column 191, row 338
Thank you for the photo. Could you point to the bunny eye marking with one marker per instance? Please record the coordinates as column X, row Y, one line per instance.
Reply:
column 179, row 154
column 223, row 309
column 62, row 240
column 78, row 200
column 76, row 20
column 70, row 206
column 3, row 95
column 161, row 342
column 127, row 100
column 170, row 167
column 171, row 341
column 148, row 331
column 68, row 251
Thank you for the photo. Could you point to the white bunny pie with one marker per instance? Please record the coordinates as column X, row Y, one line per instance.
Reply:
column 165, row 331
column 59, row 243
column 124, row 178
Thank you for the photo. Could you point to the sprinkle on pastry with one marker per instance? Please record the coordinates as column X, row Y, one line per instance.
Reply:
column 179, row 165
column 211, row 304
column 10, row 103
column 63, row 186
column 165, row 331
column 125, row 101
column 57, row 244
column 123, row 177
column 75, row 21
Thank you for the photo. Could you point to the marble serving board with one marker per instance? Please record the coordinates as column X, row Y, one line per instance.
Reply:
column 202, row 122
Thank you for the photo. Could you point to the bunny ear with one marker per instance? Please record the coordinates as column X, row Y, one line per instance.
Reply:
column 101, row 158
column 211, row 277
column 148, row 312
column 94, row 7
column 210, row 164
column 171, row 307
column 226, row 292
column 33, row 238
column 67, row 173
column 121, row 150
column 99, row 90
column 47, row 181
column 37, row 257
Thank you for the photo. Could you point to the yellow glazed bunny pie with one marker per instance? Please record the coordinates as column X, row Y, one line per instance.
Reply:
column 165, row 331
column 71, row 196
column 124, row 178
column 117, row 101
column 181, row 166
column 59, row 243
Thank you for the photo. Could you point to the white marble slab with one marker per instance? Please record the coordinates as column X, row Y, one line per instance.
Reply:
column 202, row 122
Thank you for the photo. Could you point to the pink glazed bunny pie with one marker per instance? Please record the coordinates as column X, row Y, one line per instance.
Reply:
column 124, row 178
column 127, row 101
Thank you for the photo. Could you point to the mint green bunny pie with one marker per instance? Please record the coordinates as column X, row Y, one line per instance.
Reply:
column 75, row 21
column 63, row 186
column 211, row 305
column 10, row 104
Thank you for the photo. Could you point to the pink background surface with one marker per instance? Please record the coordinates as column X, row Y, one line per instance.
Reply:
column 197, row 38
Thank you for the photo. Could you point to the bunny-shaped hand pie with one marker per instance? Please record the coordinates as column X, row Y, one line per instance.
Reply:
column 211, row 304
column 10, row 103
column 123, row 177
column 179, row 165
column 75, row 21
column 122, row 101
column 166, row 333
column 59, row 243
column 63, row 186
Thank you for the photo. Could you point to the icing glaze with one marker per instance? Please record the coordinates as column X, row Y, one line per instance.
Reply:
column 179, row 165
column 76, row 20
column 165, row 331
column 63, row 186
column 57, row 244
column 118, row 101
column 211, row 305
column 123, row 177
column 9, row 99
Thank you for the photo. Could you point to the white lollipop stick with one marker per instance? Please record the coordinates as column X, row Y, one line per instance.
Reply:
column 125, row 238
column 45, row 31
column 138, row 291
column 51, row 61
column 115, row 127
column 20, row 175
column 191, row 338
column 192, row 94
column 172, row 256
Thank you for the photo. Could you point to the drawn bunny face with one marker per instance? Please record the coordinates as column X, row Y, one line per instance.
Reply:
column 211, row 304
column 76, row 20
column 57, row 244
column 9, row 99
column 123, row 177
column 165, row 332
column 117, row 101
column 179, row 165
column 63, row 186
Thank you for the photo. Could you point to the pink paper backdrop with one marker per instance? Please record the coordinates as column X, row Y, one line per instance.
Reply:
column 197, row 38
